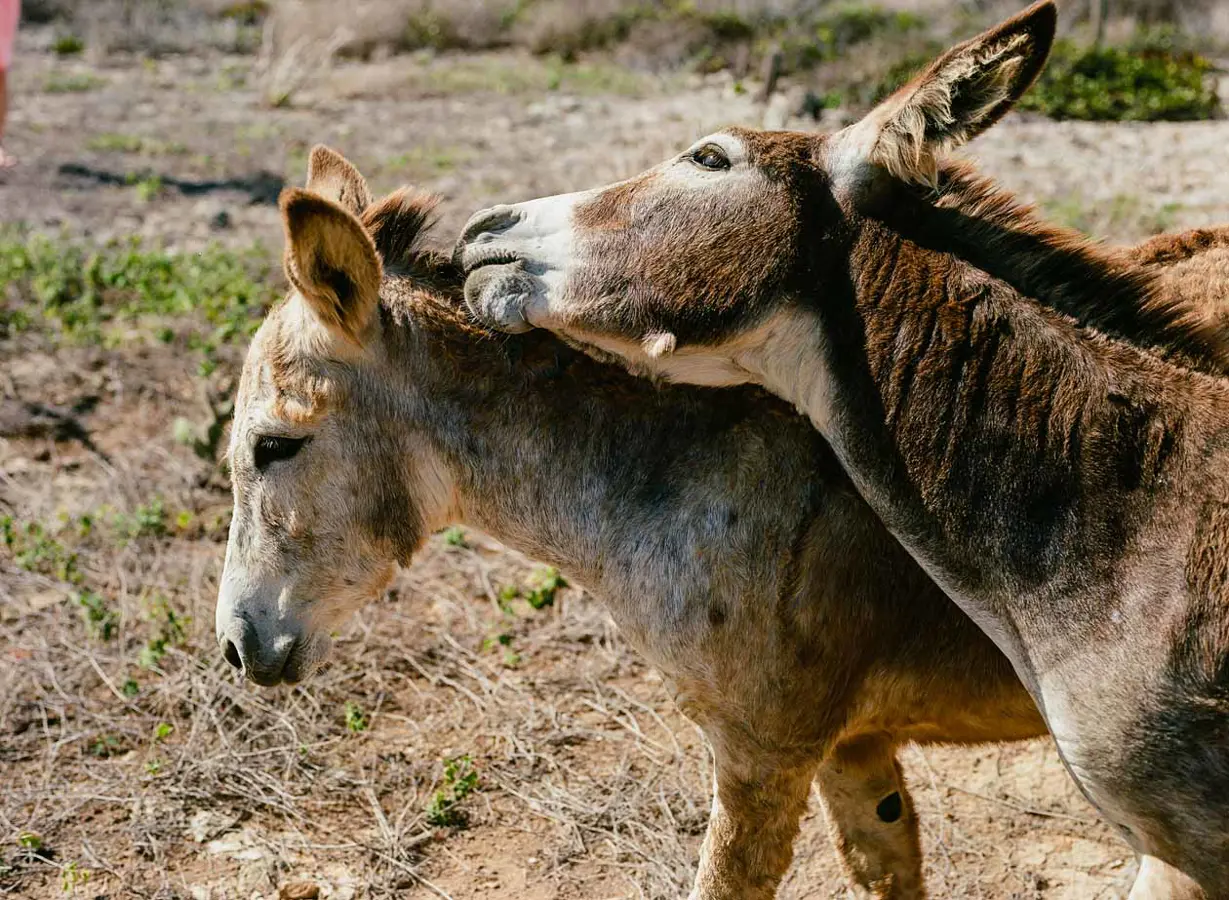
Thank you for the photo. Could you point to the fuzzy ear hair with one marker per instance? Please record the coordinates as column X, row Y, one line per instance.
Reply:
column 332, row 262
column 962, row 94
column 335, row 178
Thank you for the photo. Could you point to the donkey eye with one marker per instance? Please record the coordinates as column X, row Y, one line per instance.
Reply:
column 711, row 157
column 270, row 449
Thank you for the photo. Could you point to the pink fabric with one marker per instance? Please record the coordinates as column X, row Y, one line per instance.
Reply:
column 10, row 12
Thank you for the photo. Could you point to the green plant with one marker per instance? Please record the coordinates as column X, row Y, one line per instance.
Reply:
column 106, row 746
column 147, row 520
column 356, row 719
column 30, row 841
column 37, row 550
column 101, row 621
column 71, row 83
column 162, row 731
column 67, row 45
column 168, row 629
column 72, row 877
column 130, row 688
column 542, row 586
column 460, row 780
column 1124, row 84
column 454, row 536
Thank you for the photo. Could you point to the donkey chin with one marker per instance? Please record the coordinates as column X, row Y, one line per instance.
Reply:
column 504, row 296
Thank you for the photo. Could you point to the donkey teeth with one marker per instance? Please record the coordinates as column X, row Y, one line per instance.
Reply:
column 659, row 344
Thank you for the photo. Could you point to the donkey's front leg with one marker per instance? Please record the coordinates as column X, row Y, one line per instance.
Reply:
column 758, row 801
column 871, row 820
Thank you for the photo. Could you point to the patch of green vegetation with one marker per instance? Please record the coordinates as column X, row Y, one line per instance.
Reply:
column 116, row 142
column 246, row 12
column 67, row 45
column 543, row 584
column 107, row 745
column 147, row 520
column 84, row 290
column 1123, row 216
column 454, row 536
column 356, row 719
column 72, row 83
column 162, row 731
column 168, row 629
column 503, row 75
column 130, row 688
column 1144, row 82
column 29, row 840
column 72, row 876
column 460, row 780
column 101, row 621
column 835, row 31
column 36, row 549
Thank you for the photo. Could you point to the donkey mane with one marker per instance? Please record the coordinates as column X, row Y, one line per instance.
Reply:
column 1099, row 287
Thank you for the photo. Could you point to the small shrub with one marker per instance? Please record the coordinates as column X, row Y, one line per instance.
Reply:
column 460, row 780
column 1124, row 84
column 356, row 719
column 542, row 587
column 67, row 45
column 101, row 622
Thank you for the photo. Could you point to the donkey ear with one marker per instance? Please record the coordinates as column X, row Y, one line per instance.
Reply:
column 332, row 261
column 962, row 94
column 334, row 177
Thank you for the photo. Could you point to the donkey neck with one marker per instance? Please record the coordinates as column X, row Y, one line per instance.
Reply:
column 1019, row 457
column 628, row 486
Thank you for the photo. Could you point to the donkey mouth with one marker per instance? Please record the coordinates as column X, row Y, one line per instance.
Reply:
column 472, row 257
column 498, row 295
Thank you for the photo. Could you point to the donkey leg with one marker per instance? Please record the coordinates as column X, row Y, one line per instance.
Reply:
column 758, row 802
column 1158, row 881
column 872, row 821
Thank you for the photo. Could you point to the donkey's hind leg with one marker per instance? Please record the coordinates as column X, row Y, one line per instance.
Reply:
column 871, row 820
column 758, row 801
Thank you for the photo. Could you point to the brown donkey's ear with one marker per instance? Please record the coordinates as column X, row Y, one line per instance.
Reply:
column 332, row 261
column 334, row 177
column 962, row 94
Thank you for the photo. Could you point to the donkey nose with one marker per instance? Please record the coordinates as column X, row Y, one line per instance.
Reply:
column 262, row 661
column 487, row 224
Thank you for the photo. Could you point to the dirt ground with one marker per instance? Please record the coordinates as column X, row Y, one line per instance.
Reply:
column 590, row 785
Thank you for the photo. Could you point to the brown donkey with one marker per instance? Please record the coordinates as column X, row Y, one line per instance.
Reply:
column 978, row 374
column 368, row 375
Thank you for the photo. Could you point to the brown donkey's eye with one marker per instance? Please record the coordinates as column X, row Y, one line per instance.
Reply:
column 270, row 449
column 712, row 157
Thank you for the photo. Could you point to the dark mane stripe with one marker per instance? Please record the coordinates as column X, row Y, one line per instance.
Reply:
column 399, row 222
column 1097, row 286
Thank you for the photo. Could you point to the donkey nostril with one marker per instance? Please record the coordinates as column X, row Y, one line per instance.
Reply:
column 489, row 222
column 232, row 655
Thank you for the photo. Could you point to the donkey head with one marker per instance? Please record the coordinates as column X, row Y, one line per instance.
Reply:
column 678, row 268
column 328, row 496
